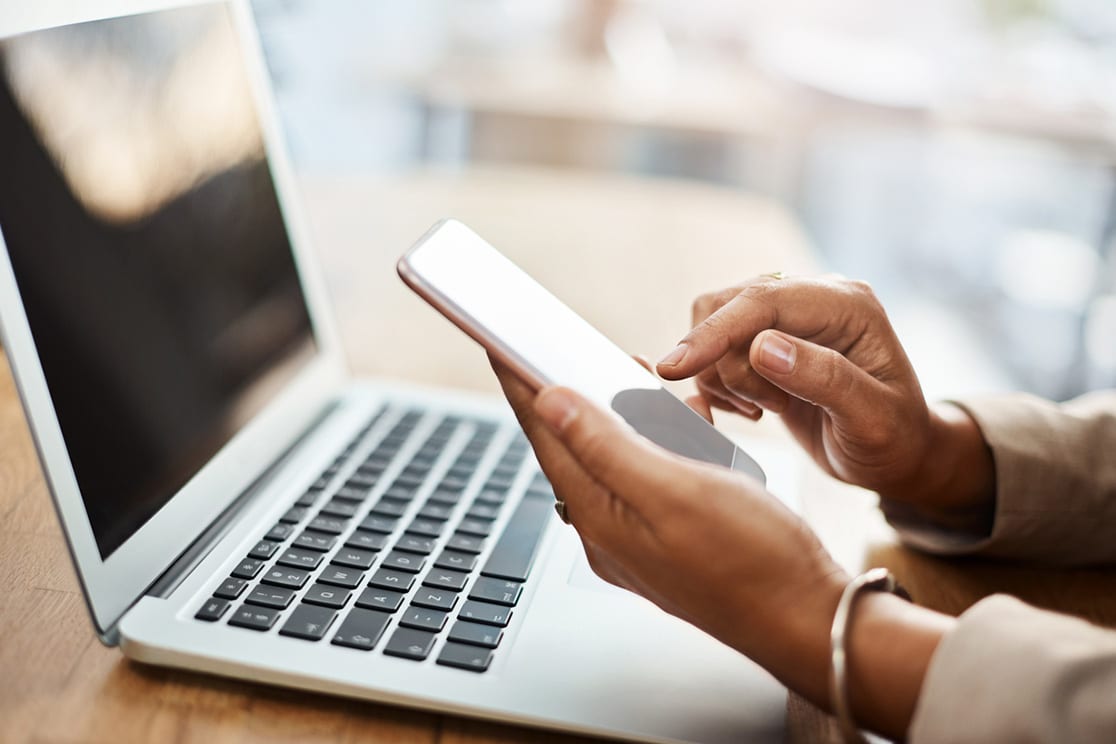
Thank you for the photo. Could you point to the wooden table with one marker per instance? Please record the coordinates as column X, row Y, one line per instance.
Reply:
column 628, row 254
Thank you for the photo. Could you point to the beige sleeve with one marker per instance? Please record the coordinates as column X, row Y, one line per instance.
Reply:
column 1011, row 673
column 1055, row 483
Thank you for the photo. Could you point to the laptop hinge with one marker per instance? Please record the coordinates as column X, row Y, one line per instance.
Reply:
column 177, row 572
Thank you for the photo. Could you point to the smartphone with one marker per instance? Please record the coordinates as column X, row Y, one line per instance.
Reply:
column 546, row 343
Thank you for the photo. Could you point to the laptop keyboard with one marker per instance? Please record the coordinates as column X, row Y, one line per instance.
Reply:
column 388, row 573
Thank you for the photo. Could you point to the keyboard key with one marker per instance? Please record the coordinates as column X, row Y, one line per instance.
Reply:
column 514, row 553
column 295, row 515
column 308, row 498
column 483, row 511
column 255, row 618
column 494, row 487
column 491, row 497
column 308, row 622
column 437, row 599
column 496, row 590
column 387, row 579
column 404, row 561
column 377, row 523
column 270, row 596
column 300, row 558
column 450, row 483
column 264, row 549
column 293, row 578
column 354, row 558
column 463, row 656
column 279, row 532
column 384, row 600
column 363, row 480
column 483, row 612
column 349, row 578
column 399, row 492
column 341, row 509
column 230, row 588
column 440, row 578
column 426, row 527
column 456, row 560
column 462, row 470
column 367, row 540
column 507, row 469
column 409, row 480
column 361, row 629
column 326, row 595
column 423, row 619
column 499, row 482
column 415, row 544
column 475, row 527
column 248, row 568
column 466, row 543
column 476, row 634
column 408, row 643
column 351, row 492
column 212, row 610
column 436, row 511
column 328, row 525
column 316, row 541
column 447, row 498
column 388, row 508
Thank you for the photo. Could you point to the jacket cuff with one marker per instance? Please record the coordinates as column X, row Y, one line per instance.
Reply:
column 1010, row 672
column 1055, row 484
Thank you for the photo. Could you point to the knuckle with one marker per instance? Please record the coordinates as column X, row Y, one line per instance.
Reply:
column 828, row 367
column 593, row 444
column 700, row 307
column 738, row 379
column 864, row 290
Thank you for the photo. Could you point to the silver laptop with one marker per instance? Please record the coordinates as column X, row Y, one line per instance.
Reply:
column 233, row 502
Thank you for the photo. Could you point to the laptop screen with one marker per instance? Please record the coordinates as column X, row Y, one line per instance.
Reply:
column 149, row 249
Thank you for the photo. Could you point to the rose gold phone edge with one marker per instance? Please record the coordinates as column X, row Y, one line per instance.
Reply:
column 497, row 349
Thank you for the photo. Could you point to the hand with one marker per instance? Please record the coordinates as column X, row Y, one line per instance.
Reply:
column 822, row 353
column 704, row 543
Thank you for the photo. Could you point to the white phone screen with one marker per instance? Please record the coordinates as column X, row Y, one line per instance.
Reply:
column 507, row 311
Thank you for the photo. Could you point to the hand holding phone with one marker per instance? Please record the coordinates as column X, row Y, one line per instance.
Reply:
column 546, row 343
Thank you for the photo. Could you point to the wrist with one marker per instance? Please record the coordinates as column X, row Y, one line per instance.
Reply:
column 797, row 648
column 954, row 482
column 889, row 645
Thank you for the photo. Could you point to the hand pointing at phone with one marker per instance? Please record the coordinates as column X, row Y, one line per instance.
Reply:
column 822, row 353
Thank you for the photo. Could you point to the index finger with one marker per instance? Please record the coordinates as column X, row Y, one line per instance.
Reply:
column 801, row 307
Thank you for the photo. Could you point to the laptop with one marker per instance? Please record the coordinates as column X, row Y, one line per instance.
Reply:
column 233, row 501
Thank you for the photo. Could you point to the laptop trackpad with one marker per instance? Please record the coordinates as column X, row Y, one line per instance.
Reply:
column 670, row 423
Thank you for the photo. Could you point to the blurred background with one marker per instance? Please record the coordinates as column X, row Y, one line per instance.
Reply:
column 958, row 154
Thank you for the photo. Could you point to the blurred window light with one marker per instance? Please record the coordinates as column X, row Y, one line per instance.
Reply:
column 1100, row 333
column 639, row 49
column 1043, row 268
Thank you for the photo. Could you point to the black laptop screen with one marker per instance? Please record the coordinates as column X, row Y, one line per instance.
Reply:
column 149, row 249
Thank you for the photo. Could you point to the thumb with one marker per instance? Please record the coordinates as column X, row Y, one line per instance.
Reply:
column 815, row 374
column 613, row 454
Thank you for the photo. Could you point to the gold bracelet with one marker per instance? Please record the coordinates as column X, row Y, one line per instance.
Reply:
column 876, row 579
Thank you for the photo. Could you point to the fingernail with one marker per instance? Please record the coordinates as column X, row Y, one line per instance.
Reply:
column 556, row 407
column 777, row 354
column 675, row 356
